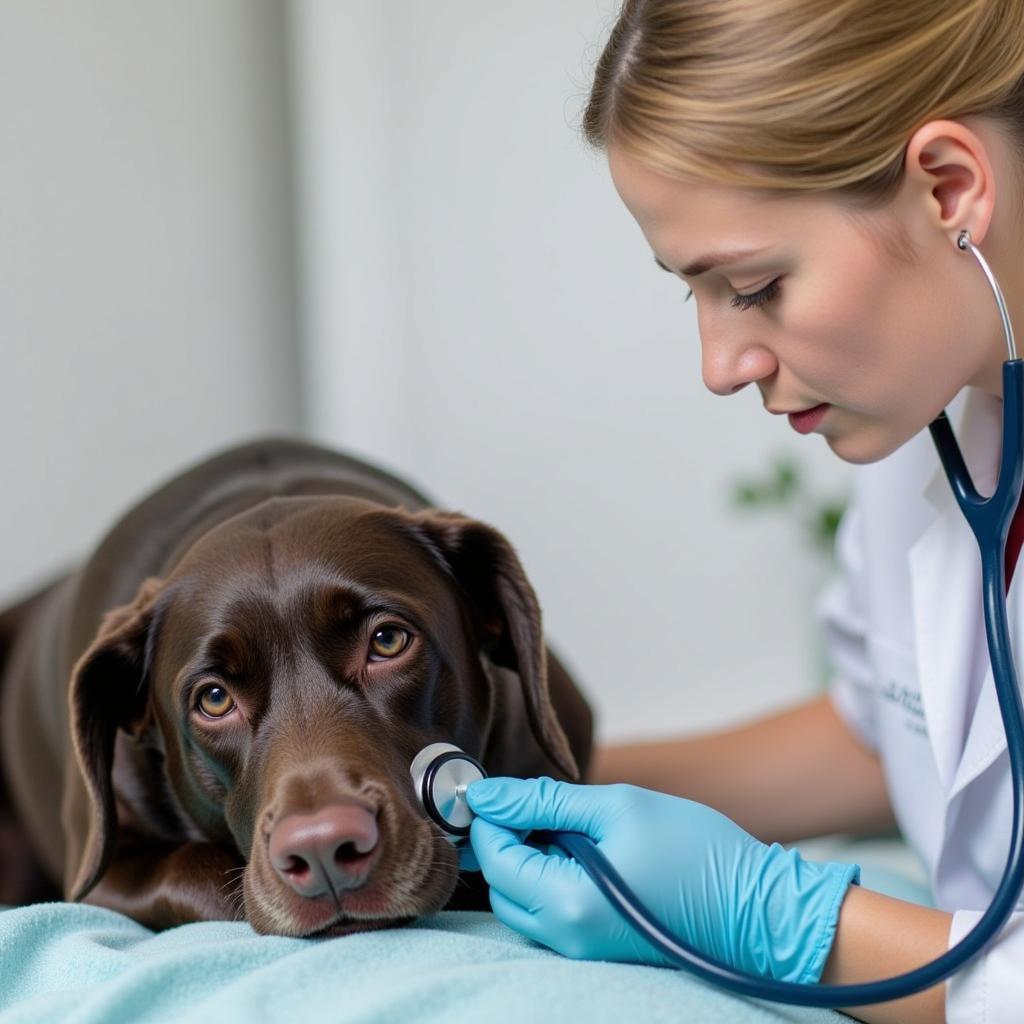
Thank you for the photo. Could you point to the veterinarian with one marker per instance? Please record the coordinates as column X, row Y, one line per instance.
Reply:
column 808, row 168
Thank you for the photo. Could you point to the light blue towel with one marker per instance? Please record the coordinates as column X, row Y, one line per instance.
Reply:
column 63, row 962
column 69, row 963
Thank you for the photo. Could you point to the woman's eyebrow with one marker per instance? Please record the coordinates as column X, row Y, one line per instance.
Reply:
column 689, row 293
column 711, row 259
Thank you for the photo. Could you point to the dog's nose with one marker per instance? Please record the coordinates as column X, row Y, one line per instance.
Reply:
column 326, row 852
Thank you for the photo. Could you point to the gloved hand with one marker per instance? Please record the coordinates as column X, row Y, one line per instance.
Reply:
column 759, row 908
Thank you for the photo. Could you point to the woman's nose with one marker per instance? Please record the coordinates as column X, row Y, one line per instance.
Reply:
column 728, row 366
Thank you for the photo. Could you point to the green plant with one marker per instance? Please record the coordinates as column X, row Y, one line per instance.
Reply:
column 784, row 488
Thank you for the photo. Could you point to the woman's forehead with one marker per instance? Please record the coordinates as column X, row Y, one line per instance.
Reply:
column 688, row 221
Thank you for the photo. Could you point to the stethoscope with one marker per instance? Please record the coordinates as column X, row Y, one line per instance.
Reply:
column 441, row 772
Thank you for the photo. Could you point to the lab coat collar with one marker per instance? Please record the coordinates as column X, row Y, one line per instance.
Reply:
column 945, row 570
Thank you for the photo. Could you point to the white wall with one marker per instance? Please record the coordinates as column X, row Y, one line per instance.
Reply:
column 482, row 314
column 146, row 288
column 477, row 311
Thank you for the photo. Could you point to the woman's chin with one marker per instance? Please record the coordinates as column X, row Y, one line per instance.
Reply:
column 864, row 446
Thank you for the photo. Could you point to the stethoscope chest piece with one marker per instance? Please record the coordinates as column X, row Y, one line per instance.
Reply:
column 440, row 774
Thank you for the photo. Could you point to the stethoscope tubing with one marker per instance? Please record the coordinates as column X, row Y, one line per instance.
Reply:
column 617, row 891
column 989, row 519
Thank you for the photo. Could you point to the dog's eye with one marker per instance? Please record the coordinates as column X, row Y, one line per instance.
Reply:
column 389, row 641
column 215, row 701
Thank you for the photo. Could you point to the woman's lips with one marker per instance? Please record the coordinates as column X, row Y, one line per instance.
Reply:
column 804, row 422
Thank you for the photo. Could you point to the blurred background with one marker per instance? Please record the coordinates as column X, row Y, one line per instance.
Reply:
column 374, row 223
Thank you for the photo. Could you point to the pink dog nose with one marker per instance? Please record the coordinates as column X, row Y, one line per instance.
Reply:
column 326, row 852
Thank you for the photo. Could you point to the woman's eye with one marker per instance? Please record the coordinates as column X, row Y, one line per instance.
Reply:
column 214, row 701
column 759, row 298
column 388, row 641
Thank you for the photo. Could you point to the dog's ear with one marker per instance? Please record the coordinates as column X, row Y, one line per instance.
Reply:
column 488, row 570
column 108, row 691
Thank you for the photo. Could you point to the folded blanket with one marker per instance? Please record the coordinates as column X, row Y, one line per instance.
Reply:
column 64, row 962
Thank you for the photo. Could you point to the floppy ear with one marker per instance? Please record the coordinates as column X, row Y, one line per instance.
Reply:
column 108, row 690
column 486, row 567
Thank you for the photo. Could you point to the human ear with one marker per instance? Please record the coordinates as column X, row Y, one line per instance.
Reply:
column 948, row 166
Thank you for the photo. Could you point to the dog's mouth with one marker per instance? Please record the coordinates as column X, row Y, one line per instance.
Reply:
column 327, row 919
column 345, row 925
column 353, row 912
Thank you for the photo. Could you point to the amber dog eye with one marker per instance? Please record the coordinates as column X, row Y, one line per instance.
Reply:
column 215, row 701
column 389, row 641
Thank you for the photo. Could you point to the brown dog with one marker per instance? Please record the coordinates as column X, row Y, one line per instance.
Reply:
column 215, row 716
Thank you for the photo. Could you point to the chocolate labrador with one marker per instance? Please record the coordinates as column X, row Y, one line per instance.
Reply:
column 214, row 717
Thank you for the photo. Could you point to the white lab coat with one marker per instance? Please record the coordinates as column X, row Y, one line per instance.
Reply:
column 906, row 635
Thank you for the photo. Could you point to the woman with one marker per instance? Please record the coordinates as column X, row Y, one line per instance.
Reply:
column 806, row 167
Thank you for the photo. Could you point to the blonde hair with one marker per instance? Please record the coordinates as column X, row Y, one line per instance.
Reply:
column 801, row 95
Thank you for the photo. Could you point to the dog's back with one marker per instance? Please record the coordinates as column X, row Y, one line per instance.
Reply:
column 12, row 618
column 23, row 878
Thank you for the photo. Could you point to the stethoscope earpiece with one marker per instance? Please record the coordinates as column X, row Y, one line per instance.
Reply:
column 964, row 244
column 440, row 774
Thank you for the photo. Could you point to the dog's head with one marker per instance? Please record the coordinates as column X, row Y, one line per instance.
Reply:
column 284, row 676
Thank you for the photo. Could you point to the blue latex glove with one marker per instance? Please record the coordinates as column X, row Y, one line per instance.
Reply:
column 761, row 909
